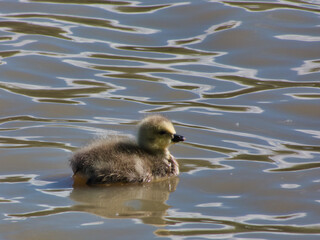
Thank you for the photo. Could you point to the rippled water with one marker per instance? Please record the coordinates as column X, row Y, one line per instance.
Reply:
column 240, row 79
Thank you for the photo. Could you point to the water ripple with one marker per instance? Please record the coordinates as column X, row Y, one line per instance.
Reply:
column 100, row 23
column 59, row 95
column 257, row 85
column 234, row 227
column 35, row 29
column 188, row 105
column 83, row 2
column 238, row 78
column 170, row 50
column 22, row 142
column 267, row 6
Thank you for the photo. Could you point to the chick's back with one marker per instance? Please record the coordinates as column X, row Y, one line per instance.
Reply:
column 112, row 160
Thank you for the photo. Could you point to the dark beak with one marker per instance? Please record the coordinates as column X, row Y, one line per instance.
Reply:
column 178, row 138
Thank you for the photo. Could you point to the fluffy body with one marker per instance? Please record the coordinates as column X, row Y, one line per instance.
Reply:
column 126, row 160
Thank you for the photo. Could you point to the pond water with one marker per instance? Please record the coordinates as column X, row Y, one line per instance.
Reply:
column 239, row 79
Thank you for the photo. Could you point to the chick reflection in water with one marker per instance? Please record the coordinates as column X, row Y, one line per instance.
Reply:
column 144, row 201
column 125, row 160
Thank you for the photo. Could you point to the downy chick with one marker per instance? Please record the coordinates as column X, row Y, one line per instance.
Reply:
column 126, row 160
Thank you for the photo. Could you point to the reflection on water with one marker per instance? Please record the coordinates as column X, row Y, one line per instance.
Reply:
column 239, row 79
column 265, row 6
column 236, row 227
column 145, row 202
column 256, row 85
column 55, row 95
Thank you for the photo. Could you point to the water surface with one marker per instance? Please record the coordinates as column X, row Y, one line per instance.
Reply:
column 239, row 79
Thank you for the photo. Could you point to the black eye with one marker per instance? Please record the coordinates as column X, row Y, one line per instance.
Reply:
column 162, row 132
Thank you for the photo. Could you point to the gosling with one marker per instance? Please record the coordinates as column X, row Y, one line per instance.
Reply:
column 126, row 160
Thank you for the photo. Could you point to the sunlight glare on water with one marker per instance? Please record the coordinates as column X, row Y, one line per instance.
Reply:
column 239, row 79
